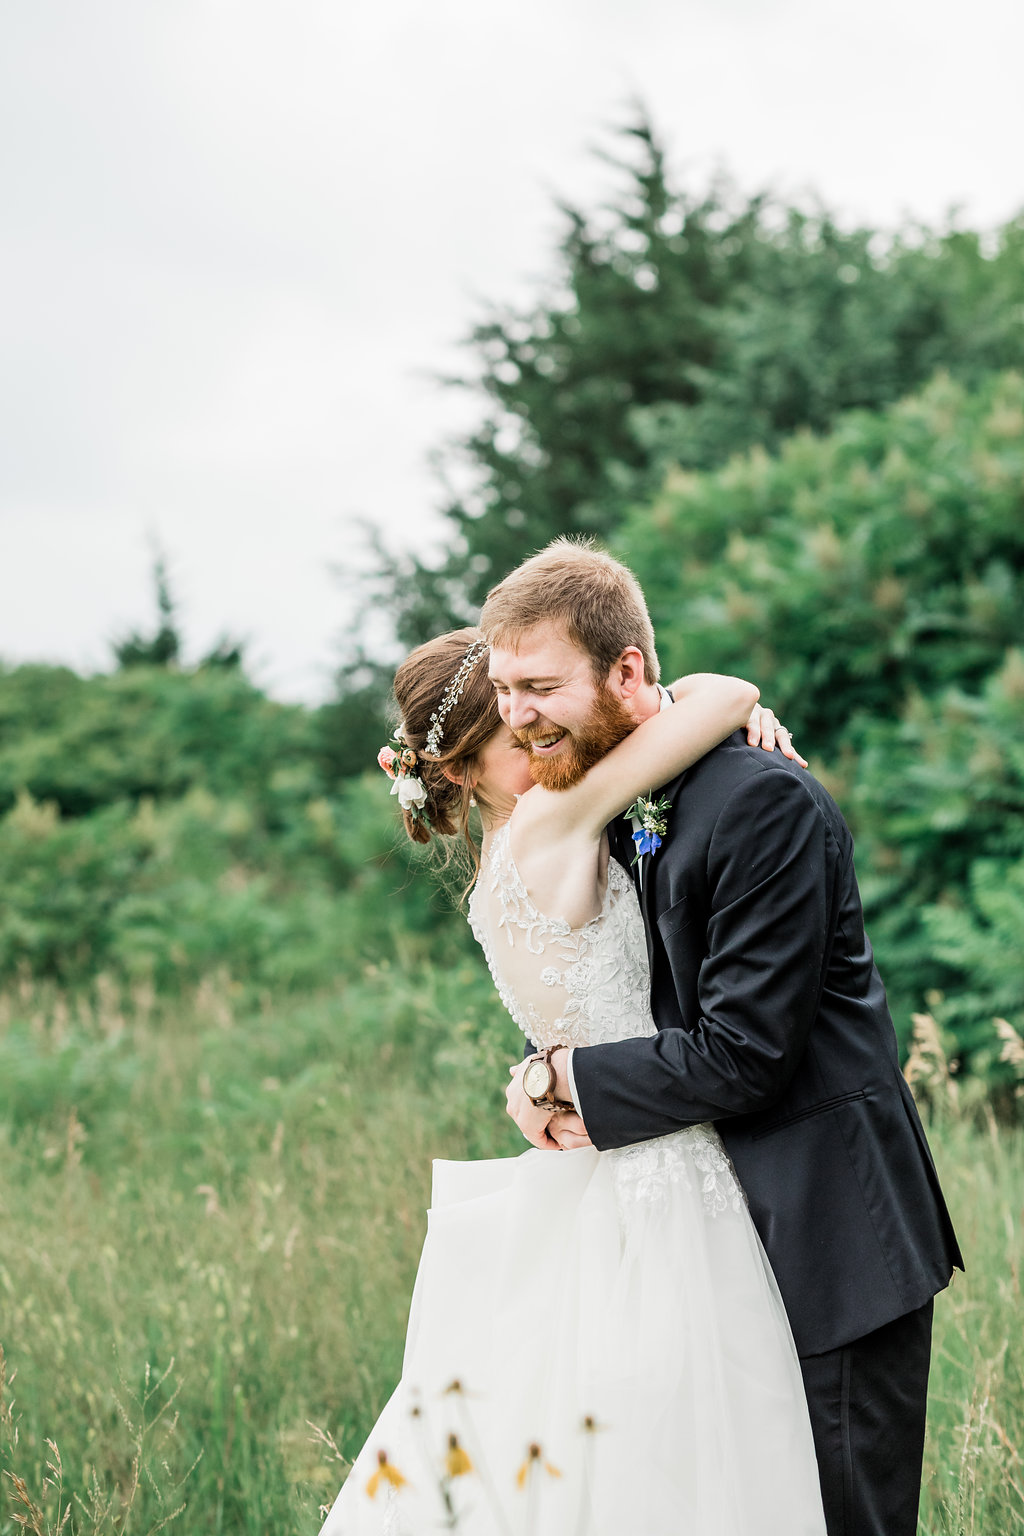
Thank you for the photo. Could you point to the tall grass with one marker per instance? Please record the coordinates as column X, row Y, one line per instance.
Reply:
column 974, row 1478
column 210, row 1215
column 973, row 1474
column 236, row 1189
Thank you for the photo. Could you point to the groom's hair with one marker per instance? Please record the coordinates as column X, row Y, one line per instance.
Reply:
column 596, row 600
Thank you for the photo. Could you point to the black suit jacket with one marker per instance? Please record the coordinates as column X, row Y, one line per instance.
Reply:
column 773, row 1023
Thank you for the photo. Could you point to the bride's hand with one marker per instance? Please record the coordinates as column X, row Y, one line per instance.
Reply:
column 535, row 1124
column 765, row 730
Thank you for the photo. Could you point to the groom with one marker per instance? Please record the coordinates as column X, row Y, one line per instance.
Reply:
column 772, row 1022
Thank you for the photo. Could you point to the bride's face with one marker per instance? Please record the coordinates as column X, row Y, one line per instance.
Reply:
column 503, row 770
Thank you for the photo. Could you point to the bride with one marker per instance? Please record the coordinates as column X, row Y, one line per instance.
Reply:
column 596, row 1343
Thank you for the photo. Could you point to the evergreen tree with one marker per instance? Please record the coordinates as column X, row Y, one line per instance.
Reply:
column 681, row 328
column 163, row 647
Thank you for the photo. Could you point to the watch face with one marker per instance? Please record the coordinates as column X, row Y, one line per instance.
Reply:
column 537, row 1079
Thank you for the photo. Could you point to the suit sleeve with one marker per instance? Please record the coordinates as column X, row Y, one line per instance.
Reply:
column 772, row 872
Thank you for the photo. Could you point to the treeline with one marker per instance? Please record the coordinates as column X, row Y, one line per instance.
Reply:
column 161, row 824
column 807, row 441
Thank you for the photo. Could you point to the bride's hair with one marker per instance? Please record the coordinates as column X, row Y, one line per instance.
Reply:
column 421, row 683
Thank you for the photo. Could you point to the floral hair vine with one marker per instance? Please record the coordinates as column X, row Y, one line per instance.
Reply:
column 399, row 762
column 452, row 695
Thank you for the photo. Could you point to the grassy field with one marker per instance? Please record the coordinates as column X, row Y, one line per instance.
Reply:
column 210, row 1215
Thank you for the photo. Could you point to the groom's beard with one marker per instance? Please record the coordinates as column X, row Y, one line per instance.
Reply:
column 608, row 723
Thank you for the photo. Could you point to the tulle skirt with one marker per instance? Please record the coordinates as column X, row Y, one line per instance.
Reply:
column 596, row 1347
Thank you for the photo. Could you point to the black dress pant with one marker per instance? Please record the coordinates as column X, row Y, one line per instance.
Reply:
column 867, row 1407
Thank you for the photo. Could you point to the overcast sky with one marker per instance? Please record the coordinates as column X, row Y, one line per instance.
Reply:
column 239, row 239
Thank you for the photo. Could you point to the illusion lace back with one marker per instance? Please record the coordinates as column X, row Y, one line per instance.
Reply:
column 563, row 985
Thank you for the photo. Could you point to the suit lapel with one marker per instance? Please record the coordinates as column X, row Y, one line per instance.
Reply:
column 645, row 887
column 652, row 875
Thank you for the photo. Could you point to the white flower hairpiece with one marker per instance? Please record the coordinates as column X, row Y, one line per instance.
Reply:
column 452, row 695
column 399, row 762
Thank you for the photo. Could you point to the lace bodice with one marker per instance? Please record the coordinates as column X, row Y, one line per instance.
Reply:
column 563, row 985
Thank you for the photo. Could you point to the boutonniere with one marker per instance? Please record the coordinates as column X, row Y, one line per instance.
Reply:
column 652, row 816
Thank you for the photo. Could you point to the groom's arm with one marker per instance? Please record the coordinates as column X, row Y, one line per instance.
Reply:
column 773, row 871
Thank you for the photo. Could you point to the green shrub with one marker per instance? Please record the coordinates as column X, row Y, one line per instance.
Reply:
column 169, row 892
column 90, row 742
column 852, row 570
column 936, row 800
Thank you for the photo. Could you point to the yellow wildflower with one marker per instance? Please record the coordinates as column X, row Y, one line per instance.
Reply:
column 534, row 1455
column 386, row 1472
column 456, row 1463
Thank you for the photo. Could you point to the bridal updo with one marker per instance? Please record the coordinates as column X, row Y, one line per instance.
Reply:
column 421, row 683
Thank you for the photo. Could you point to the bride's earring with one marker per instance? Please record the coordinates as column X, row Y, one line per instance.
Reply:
column 472, row 801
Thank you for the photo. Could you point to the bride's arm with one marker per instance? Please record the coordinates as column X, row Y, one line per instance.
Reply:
column 708, row 709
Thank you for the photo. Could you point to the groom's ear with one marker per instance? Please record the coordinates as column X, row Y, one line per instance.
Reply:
column 627, row 674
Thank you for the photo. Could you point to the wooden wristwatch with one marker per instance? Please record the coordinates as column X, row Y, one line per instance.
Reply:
column 539, row 1082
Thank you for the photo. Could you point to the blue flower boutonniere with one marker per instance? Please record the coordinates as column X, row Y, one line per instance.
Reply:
column 652, row 816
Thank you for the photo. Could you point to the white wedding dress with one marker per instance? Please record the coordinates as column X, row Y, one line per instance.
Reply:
column 613, row 1311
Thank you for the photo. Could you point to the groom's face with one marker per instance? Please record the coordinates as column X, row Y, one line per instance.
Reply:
column 550, row 698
